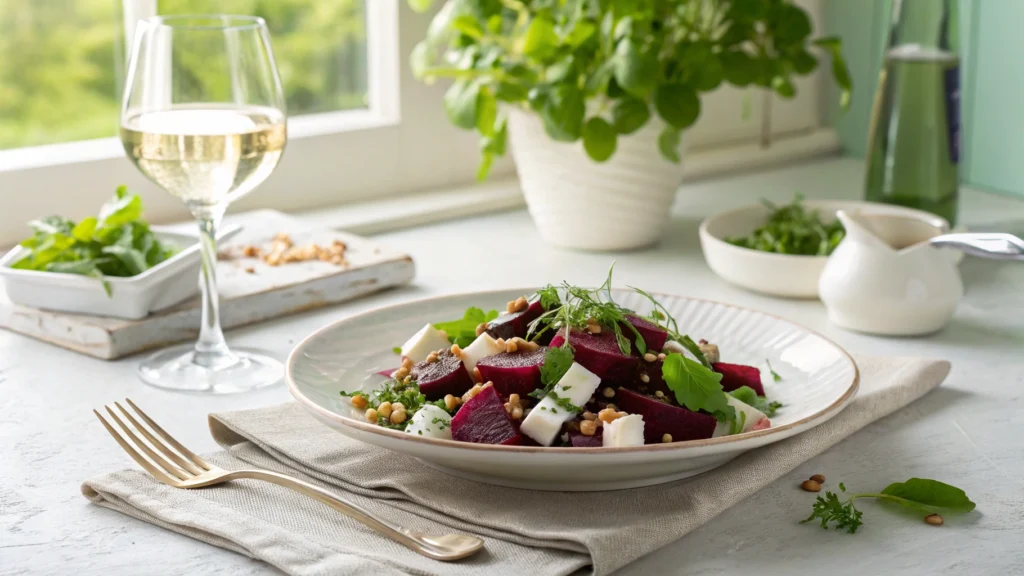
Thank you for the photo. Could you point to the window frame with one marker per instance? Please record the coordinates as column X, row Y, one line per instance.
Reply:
column 401, row 144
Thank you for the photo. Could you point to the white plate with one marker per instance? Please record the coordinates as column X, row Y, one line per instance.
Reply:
column 819, row 379
column 163, row 285
column 779, row 274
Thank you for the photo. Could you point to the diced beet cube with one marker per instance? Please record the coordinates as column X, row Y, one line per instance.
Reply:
column 600, row 354
column 654, row 335
column 581, row 440
column 662, row 418
column 738, row 375
column 516, row 324
column 445, row 376
column 515, row 373
column 483, row 420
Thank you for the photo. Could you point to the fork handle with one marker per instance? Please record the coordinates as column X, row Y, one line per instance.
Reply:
column 408, row 538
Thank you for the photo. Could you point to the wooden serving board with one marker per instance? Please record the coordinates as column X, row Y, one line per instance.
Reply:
column 245, row 297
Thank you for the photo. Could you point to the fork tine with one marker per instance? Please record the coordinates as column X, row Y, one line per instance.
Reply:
column 159, row 444
column 153, row 456
column 170, row 439
column 156, row 472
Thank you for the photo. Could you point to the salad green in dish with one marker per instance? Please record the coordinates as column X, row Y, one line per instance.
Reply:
column 116, row 243
column 793, row 229
column 565, row 366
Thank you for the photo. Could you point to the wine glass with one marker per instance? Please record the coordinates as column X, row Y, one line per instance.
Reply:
column 203, row 117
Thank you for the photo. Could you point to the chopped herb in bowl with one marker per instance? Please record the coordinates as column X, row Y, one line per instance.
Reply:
column 116, row 243
column 793, row 229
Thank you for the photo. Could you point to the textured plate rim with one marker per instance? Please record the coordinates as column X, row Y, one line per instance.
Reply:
column 822, row 415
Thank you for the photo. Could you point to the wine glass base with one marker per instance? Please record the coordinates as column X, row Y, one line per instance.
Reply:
column 173, row 369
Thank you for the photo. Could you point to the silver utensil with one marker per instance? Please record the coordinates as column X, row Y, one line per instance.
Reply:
column 992, row 245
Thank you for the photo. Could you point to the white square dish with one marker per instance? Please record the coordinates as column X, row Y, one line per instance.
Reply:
column 163, row 285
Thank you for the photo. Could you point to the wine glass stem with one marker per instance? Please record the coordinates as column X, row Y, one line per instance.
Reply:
column 211, row 348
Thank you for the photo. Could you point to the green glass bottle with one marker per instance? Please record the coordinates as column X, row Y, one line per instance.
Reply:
column 914, row 137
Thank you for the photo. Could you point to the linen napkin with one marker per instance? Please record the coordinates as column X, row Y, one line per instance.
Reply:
column 526, row 532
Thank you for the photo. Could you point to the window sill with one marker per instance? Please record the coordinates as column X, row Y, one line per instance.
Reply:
column 432, row 207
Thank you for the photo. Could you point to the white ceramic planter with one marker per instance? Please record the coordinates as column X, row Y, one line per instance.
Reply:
column 620, row 204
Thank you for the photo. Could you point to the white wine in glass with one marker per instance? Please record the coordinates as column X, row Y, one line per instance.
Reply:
column 204, row 118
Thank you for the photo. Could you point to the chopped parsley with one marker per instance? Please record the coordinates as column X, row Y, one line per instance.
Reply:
column 397, row 349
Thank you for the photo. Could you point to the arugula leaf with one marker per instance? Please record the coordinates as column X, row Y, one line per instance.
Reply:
column 748, row 396
column 929, row 496
column 696, row 387
column 557, row 362
column 463, row 330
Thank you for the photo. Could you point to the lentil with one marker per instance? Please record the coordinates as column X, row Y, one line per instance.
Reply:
column 818, row 478
column 666, row 438
column 608, row 392
column 934, row 519
column 608, row 415
column 645, row 378
column 588, row 415
column 650, row 357
column 659, row 394
column 662, row 356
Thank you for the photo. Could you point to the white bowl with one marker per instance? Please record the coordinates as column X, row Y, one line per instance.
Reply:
column 819, row 379
column 779, row 274
column 163, row 285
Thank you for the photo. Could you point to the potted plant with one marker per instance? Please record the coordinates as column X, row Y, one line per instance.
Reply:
column 594, row 95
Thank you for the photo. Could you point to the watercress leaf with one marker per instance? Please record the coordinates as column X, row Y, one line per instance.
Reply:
column 511, row 92
column 738, row 67
column 696, row 387
column 669, row 142
column 564, row 70
column 562, row 111
column 635, row 69
column 677, row 104
column 540, row 41
column 460, row 103
column 629, row 115
column 597, row 81
column 930, row 495
column 599, row 139
column 841, row 73
column 791, row 24
column 784, row 87
column 709, row 75
column 580, row 33
column 803, row 61
column 469, row 26
column 487, row 112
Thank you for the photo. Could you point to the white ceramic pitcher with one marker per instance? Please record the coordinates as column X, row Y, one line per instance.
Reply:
column 886, row 278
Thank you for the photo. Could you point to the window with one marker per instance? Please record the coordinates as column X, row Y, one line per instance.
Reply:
column 360, row 126
column 60, row 60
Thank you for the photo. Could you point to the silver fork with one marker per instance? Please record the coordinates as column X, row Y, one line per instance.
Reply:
column 173, row 464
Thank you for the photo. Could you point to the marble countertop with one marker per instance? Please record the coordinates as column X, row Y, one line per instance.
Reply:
column 966, row 433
